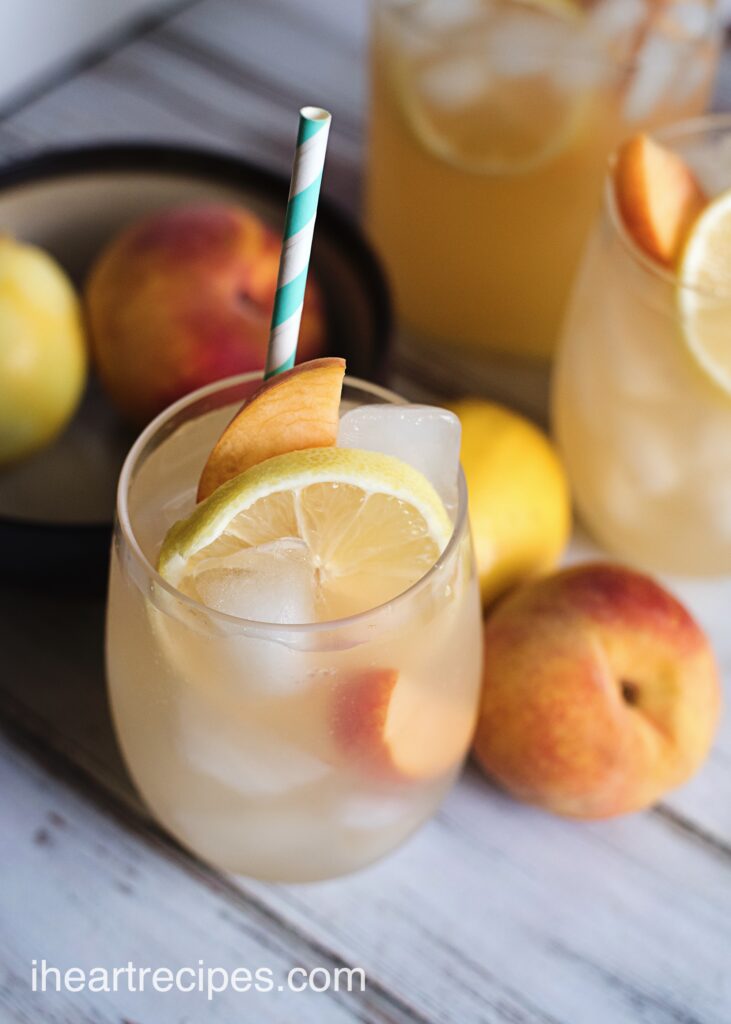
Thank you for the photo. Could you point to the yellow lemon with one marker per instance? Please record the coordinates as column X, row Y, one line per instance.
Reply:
column 42, row 349
column 520, row 508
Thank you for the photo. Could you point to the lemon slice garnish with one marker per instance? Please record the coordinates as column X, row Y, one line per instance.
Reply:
column 371, row 525
column 704, row 291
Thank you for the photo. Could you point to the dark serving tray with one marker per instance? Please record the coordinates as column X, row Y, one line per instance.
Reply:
column 56, row 509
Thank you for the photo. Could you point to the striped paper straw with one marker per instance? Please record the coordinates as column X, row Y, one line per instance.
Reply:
column 299, row 223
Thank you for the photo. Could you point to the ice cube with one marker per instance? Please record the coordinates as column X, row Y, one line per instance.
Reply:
column 612, row 497
column 528, row 41
column 655, row 69
column 272, row 583
column 649, row 454
column 378, row 810
column 691, row 78
column 425, row 436
column 690, row 20
column 439, row 16
column 617, row 22
column 269, row 583
column 454, row 83
column 257, row 764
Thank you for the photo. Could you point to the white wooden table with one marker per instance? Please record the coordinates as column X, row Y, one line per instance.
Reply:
column 494, row 912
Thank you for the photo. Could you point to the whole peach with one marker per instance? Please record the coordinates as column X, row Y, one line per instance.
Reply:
column 183, row 298
column 600, row 693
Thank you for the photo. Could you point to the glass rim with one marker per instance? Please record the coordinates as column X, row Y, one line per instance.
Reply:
column 694, row 126
column 124, row 524
column 404, row 12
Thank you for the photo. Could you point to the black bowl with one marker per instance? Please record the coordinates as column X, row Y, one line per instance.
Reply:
column 56, row 508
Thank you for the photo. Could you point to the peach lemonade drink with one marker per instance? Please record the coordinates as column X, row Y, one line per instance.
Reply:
column 642, row 389
column 491, row 122
column 294, row 666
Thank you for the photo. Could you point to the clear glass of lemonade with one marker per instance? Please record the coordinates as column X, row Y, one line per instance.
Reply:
column 491, row 122
column 643, row 425
column 270, row 744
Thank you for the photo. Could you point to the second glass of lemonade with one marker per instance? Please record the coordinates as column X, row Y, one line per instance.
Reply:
column 642, row 382
column 270, row 744
column 491, row 122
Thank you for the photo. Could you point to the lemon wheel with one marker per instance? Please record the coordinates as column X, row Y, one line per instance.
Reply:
column 371, row 526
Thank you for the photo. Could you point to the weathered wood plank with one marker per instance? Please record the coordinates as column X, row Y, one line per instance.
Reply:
column 492, row 913
column 113, row 893
column 605, row 922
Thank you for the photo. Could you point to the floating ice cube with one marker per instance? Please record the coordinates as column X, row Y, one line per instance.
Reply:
column 269, row 583
column 612, row 497
column 272, row 583
column 617, row 22
column 528, row 41
column 378, row 810
column 455, row 82
column 650, row 457
column 690, row 79
column 426, row 437
column 658, row 65
column 253, row 763
column 448, row 15
column 691, row 19
column 575, row 75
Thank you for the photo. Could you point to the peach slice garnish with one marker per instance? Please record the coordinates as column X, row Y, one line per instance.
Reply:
column 292, row 411
column 393, row 728
column 658, row 197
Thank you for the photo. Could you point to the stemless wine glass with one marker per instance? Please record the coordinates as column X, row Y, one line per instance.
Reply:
column 280, row 751
column 643, row 426
column 490, row 125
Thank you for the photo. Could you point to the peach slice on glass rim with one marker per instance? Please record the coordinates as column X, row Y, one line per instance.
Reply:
column 291, row 411
column 658, row 197
column 395, row 729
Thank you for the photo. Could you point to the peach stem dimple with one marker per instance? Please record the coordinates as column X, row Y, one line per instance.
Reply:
column 630, row 692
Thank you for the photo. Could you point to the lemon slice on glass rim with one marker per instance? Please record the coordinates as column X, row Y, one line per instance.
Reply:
column 704, row 291
column 371, row 524
column 480, row 117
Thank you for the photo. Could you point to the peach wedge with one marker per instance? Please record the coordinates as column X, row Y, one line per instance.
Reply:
column 292, row 411
column 658, row 197
column 390, row 727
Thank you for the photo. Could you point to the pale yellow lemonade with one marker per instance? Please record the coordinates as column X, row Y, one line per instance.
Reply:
column 641, row 400
column 259, row 741
column 490, row 126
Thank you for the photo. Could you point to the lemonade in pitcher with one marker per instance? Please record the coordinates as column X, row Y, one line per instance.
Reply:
column 490, row 126
column 294, row 626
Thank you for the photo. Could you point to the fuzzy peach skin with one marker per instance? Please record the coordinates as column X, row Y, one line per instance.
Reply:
column 182, row 298
column 600, row 693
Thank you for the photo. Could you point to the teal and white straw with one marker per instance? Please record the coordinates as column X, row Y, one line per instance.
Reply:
column 299, row 224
